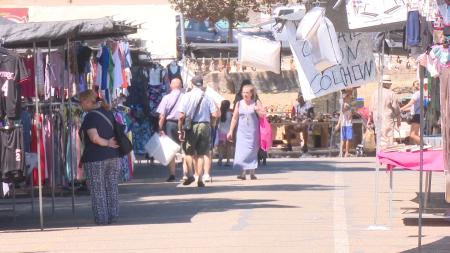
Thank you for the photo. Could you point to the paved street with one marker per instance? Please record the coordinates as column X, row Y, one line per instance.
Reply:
column 296, row 205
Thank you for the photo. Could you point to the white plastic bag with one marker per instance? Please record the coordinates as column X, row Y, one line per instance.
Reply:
column 328, row 52
column 260, row 53
column 310, row 22
column 162, row 148
column 321, row 36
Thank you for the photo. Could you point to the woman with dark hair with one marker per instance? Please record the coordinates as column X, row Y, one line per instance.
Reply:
column 100, row 157
column 224, row 127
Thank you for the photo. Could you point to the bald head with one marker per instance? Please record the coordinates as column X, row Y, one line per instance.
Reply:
column 175, row 84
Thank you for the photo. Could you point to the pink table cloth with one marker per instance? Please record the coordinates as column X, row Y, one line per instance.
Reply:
column 433, row 160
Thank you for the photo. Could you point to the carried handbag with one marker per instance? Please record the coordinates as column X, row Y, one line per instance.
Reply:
column 369, row 143
column 125, row 145
column 265, row 130
column 265, row 133
column 188, row 120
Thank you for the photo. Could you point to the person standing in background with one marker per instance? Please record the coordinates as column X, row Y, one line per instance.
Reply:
column 303, row 112
column 390, row 114
column 413, row 107
column 346, row 125
column 224, row 127
column 100, row 158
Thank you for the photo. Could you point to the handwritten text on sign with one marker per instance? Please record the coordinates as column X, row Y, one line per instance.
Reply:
column 357, row 67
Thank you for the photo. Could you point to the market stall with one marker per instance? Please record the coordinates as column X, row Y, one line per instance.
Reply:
column 58, row 68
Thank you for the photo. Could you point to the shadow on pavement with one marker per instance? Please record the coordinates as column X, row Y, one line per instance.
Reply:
column 439, row 246
column 135, row 212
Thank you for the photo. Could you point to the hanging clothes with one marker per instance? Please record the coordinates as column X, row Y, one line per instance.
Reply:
column 12, row 72
column 173, row 71
column 54, row 72
column 413, row 28
column 28, row 85
column 117, row 72
column 34, row 149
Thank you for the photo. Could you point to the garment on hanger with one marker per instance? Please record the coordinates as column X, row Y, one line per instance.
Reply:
column 40, row 69
column 155, row 75
column 413, row 28
column 12, row 155
column 12, row 72
column 28, row 85
column 173, row 71
column 442, row 55
column 118, row 74
column 104, row 61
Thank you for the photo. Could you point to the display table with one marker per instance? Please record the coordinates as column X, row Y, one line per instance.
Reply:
column 433, row 160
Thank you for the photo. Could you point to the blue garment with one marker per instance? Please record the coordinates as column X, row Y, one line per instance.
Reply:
column 413, row 29
column 104, row 61
column 25, row 117
column 347, row 133
column 141, row 135
column 247, row 138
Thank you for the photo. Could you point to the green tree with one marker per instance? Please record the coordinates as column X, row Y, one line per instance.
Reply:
column 234, row 11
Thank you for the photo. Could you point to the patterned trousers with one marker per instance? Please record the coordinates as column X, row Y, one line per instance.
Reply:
column 103, row 181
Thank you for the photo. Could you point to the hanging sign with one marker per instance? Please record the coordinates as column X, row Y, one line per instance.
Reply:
column 18, row 15
column 356, row 68
column 370, row 13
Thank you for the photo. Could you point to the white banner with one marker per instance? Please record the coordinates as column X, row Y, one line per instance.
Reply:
column 368, row 13
column 357, row 67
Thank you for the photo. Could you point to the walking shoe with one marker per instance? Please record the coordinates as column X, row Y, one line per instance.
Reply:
column 189, row 180
column 207, row 178
column 171, row 178
column 242, row 177
column 200, row 183
column 253, row 177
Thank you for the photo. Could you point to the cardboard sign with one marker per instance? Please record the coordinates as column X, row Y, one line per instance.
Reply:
column 357, row 67
column 370, row 13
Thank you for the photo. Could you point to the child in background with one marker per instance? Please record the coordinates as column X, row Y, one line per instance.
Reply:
column 346, row 124
column 224, row 128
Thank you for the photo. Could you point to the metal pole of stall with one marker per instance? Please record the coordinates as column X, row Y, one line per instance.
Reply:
column 378, row 132
column 38, row 137
column 183, row 49
column 69, row 124
column 421, row 202
column 53, row 150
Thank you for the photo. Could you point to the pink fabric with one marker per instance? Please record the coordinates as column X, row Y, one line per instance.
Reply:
column 266, row 133
column 433, row 160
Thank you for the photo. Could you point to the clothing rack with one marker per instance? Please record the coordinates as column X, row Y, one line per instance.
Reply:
column 11, row 185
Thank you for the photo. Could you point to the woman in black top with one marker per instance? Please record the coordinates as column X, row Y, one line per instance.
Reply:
column 100, row 158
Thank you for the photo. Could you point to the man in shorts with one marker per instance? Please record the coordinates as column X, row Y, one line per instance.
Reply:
column 199, row 110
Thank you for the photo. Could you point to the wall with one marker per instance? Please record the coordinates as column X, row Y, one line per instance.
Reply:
column 157, row 18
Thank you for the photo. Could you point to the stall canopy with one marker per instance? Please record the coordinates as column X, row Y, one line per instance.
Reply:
column 23, row 35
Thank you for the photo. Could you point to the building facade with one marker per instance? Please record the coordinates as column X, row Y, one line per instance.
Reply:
column 157, row 18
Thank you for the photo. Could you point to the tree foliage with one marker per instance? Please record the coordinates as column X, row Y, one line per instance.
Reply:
column 234, row 11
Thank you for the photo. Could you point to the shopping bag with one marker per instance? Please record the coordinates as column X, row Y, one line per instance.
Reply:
column 162, row 148
column 260, row 53
column 369, row 143
column 265, row 130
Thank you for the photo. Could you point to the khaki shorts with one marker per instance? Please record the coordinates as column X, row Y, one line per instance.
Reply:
column 198, row 139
